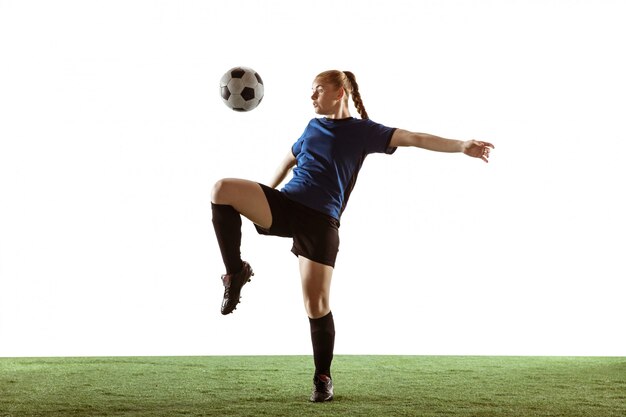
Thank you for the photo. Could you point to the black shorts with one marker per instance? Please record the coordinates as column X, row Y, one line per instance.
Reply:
column 315, row 234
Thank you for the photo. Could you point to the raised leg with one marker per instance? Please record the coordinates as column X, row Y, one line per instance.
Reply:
column 229, row 199
column 246, row 197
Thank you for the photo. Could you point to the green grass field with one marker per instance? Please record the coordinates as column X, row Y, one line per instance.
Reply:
column 280, row 385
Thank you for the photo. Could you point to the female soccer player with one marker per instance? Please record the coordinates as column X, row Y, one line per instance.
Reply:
column 325, row 161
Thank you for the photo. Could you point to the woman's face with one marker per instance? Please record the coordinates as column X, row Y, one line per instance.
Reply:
column 326, row 98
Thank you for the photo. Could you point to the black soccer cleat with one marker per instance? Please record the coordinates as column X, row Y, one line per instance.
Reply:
column 232, row 287
column 322, row 389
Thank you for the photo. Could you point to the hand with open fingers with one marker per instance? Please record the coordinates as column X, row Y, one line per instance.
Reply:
column 478, row 149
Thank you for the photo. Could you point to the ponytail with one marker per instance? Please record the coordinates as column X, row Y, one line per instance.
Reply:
column 356, row 96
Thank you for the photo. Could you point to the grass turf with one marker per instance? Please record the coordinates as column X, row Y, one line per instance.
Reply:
column 280, row 386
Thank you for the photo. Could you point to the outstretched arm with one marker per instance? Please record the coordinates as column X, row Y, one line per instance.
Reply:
column 283, row 169
column 473, row 148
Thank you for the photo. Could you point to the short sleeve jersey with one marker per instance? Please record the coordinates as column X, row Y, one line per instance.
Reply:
column 329, row 155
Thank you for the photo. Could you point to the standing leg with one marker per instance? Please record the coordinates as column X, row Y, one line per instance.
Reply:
column 316, row 279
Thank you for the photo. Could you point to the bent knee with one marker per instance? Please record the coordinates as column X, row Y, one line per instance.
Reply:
column 220, row 191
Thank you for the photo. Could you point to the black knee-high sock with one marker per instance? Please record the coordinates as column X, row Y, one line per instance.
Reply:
column 323, row 338
column 227, row 225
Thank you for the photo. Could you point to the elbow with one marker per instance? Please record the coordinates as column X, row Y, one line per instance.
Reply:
column 416, row 140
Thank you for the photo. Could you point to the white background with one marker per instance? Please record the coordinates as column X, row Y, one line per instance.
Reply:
column 112, row 133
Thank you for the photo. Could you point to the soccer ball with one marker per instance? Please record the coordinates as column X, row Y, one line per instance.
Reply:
column 241, row 88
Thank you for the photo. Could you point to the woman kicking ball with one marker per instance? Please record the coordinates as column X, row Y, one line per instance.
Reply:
column 326, row 161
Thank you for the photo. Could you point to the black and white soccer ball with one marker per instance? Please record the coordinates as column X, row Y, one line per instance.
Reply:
column 241, row 88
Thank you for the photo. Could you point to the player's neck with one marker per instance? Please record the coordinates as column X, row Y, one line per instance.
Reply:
column 342, row 112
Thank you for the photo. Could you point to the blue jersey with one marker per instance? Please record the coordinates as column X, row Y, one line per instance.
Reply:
column 329, row 155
